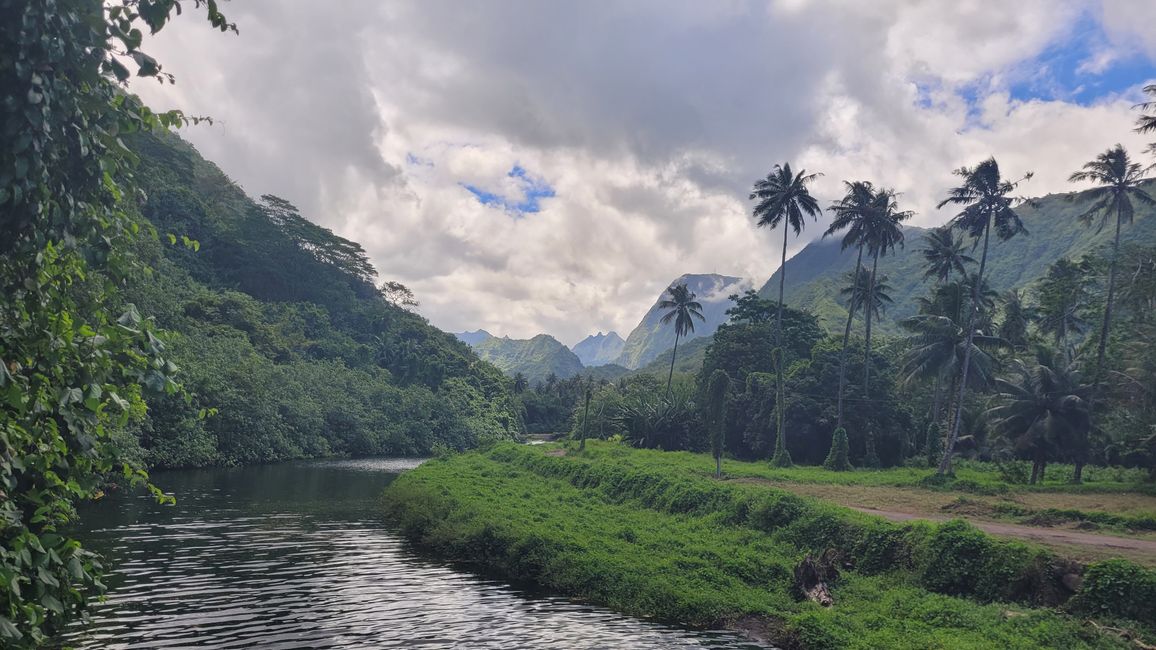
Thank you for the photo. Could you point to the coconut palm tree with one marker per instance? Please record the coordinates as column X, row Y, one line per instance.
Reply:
column 783, row 197
column 859, row 287
column 1146, row 123
column 682, row 309
column 1063, row 295
column 716, row 397
column 943, row 255
column 883, row 233
column 520, row 383
column 1119, row 182
column 938, row 347
column 852, row 214
column 1017, row 316
column 987, row 203
column 1043, row 409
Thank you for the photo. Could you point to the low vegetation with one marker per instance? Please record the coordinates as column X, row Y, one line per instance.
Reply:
column 642, row 532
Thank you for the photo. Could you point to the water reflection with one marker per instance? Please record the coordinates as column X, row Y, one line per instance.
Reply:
column 296, row 556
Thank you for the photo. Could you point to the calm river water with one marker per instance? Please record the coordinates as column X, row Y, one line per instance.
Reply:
column 298, row 556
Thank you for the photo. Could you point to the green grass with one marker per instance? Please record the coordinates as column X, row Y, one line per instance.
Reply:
column 651, row 535
column 970, row 476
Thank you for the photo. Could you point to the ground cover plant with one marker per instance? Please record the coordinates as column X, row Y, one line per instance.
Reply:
column 625, row 528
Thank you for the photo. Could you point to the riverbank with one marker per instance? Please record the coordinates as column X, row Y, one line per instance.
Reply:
column 628, row 529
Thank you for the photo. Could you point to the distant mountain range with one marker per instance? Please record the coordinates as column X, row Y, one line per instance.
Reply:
column 536, row 358
column 599, row 349
column 817, row 273
column 607, row 355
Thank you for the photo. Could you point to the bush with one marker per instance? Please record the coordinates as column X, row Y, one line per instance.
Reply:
column 1118, row 588
column 838, row 459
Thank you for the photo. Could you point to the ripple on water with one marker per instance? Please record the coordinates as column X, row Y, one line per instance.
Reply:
column 292, row 556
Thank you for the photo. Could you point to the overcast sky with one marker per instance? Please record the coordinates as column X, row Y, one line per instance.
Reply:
column 542, row 166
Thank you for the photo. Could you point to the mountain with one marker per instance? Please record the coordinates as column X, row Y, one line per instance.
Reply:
column 473, row 338
column 599, row 349
column 277, row 326
column 817, row 273
column 535, row 358
column 651, row 338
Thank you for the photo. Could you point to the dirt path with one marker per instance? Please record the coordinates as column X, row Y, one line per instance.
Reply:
column 1048, row 536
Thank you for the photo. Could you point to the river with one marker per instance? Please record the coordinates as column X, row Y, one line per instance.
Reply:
column 297, row 555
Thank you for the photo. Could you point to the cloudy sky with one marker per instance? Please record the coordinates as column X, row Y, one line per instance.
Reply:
column 551, row 166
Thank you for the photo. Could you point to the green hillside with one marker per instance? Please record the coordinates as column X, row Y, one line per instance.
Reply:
column 816, row 274
column 275, row 323
column 536, row 358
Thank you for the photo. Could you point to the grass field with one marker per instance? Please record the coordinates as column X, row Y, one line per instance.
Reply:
column 651, row 534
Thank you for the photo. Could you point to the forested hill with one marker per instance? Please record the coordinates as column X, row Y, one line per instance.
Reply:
column 536, row 359
column 276, row 323
column 817, row 273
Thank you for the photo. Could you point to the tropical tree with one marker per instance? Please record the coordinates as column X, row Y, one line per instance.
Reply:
column 1146, row 123
column 1063, row 296
column 985, row 197
column 852, row 213
column 585, row 417
column 1119, row 181
column 682, row 309
column 1043, row 410
column 72, row 369
column 938, row 346
column 943, row 255
column 860, row 292
column 1017, row 317
column 716, row 398
column 883, row 233
column 783, row 197
column 520, row 383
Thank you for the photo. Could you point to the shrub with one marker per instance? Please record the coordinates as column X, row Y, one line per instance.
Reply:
column 1118, row 588
column 838, row 459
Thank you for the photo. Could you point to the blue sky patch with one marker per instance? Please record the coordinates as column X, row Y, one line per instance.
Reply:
column 531, row 188
column 1081, row 67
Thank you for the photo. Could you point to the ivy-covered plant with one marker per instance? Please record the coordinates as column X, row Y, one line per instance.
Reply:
column 74, row 358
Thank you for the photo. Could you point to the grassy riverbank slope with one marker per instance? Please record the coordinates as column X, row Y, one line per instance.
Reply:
column 629, row 529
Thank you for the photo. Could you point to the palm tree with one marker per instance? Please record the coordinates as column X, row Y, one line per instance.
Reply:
column 1147, row 123
column 944, row 256
column 520, row 383
column 682, row 310
column 783, row 198
column 1041, row 409
column 860, row 291
column 852, row 213
column 985, row 197
column 1119, row 182
column 884, row 233
column 938, row 347
column 1063, row 294
column 1017, row 316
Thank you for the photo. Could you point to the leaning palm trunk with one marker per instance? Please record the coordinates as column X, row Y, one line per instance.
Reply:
column 953, row 435
column 868, row 304
column 843, row 352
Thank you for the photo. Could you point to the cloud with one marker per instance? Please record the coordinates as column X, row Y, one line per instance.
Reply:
column 624, row 136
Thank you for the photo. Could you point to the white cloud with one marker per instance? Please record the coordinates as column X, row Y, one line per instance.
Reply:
column 649, row 119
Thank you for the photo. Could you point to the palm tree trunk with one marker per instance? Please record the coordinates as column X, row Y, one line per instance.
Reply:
column 937, row 401
column 867, row 308
column 1104, row 327
column 781, row 456
column 673, row 355
column 945, row 463
column 846, row 339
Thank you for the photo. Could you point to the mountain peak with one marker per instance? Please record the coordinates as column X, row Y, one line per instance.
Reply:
column 599, row 349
